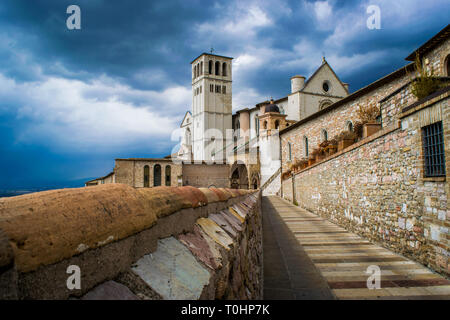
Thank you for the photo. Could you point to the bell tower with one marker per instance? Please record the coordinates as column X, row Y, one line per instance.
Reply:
column 211, row 105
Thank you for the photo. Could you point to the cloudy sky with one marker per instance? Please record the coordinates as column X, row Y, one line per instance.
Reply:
column 71, row 101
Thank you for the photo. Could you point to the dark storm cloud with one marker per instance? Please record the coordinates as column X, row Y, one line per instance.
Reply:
column 72, row 101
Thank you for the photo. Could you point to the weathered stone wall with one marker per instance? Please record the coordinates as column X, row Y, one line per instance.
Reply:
column 131, row 171
column 274, row 186
column 204, row 175
column 377, row 189
column 287, row 190
column 334, row 121
column 148, row 243
column 437, row 59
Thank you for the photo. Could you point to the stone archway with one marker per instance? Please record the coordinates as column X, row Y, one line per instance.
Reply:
column 239, row 176
column 255, row 182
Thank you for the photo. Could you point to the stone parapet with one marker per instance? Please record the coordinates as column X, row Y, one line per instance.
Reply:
column 115, row 233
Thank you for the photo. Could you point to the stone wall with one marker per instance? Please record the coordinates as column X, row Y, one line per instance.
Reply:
column 131, row 171
column 437, row 59
column 273, row 185
column 336, row 120
column 147, row 243
column 204, row 175
column 377, row 188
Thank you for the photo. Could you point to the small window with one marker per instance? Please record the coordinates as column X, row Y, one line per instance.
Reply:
column 447, row 65
column 290, row 151
column 146, row 176
column 217, row 89
column 224, row 89
column 224, row 69
column 210, row 67
column 433, row 150
column 168, row 175
column 157, row 175
column 349, row 126
column 306, row 147
column 201, row 68
column 277, row 124
column 326, row 86
column 265, row 125
column 324, row 135
column 217, row 68
column 200, row 89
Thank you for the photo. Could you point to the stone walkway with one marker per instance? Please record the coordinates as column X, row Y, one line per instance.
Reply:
column 307, row 257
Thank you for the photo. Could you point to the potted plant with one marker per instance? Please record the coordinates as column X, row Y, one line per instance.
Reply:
column 329, row 147
column 317, row 154
column 358, row 129
column 345, row 139
column 368, row 116
column 311, row 160
column 302, row 164
column 424, row 83
column 286, row 175
column 293, row 166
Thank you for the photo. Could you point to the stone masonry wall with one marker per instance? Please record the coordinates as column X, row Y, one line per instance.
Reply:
column 376, row 188
column 334, row 122
column 437, row 59
column 147, row 243
column 274, row 186
column 204, row 175
column 131, row 171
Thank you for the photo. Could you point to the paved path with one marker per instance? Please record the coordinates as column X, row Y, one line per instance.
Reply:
column 307, row 257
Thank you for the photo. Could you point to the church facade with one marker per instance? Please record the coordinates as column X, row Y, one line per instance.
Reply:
column 259, row 146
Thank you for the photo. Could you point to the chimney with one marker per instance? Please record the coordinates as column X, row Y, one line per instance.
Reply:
column 297, row 83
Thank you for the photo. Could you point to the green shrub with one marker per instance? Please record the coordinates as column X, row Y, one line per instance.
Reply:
column 424, row 84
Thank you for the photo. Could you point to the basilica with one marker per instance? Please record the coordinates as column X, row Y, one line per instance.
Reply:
column 240, row 150
column 245, row 149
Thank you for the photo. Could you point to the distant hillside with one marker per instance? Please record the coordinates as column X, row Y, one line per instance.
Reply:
column 17, row 191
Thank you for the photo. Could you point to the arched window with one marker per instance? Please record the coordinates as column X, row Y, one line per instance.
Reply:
column 265, row 125
column 305, row 146
column 157, row 175
column 224, row 69
column 257, row 125
column 188, row 137
column 290, row 150
column 168, row 175
column 447, row 65
column 326, row 86
column 324, row 135
column 277, row 124
column 146, row 176
column 201, row 68
column 349, row 125
column 324, row 104
column 210, row 66
column 217, row 68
